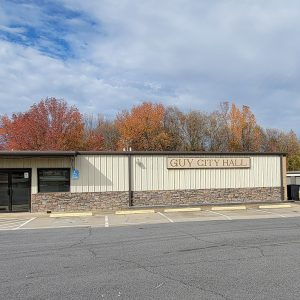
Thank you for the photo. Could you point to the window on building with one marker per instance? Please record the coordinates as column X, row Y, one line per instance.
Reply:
column 53, row 180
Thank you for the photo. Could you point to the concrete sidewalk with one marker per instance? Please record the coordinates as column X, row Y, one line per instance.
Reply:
column 145, row 210
column 18, row 221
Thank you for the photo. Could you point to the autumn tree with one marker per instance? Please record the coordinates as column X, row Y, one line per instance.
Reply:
column 244, row 132
column 278, row 141
column 92, row 138
column 105, row 131
column 110, row 134
column 142, row 128
column 174, row 123
column 293, row 162
column 217, row 132
column 2, row 139
column 53, row 125
column 195, row 129
column 48, row 125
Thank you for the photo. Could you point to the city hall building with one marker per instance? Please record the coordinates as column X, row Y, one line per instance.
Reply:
column 41, row 181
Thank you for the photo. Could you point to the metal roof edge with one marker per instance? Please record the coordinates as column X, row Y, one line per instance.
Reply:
column 37, row 153
column 176, row 153
column 75, row 153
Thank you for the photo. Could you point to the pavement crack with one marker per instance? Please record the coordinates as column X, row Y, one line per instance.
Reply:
column 82, row 240
column 146, row 269
column 202, row 248
column 93, row 253
column 259, row 248
column 198, row 261
column 197, row 238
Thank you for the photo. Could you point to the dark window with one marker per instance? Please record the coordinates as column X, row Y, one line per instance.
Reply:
column 53, row 180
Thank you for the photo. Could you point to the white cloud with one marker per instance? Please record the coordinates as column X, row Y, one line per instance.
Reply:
column 190, row 53
column 28, row 76
column 15, row 30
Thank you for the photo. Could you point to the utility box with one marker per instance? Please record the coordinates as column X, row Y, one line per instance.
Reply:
column 293, row 192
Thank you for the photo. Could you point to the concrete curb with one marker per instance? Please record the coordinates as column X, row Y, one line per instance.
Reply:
column 275, row 206
column 132, row 212
column 74, row 214
column 15, row 215
column 146, row 210
column 238, row 207
column 182, row 209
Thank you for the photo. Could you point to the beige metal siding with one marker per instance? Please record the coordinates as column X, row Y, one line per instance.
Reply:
column 101, row 173
column 151, row 173
column 284, row 170
column 98, row 173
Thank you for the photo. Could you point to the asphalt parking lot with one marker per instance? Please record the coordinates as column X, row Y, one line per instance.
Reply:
column 130, row 218
column 223, row 259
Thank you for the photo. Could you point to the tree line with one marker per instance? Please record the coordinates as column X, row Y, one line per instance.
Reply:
column 52, row 124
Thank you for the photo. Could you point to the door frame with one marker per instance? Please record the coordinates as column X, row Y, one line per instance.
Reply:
column 9, row 171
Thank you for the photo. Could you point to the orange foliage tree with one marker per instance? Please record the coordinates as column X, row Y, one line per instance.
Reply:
column 48, row 125
column 142, row 128
column 244, row 133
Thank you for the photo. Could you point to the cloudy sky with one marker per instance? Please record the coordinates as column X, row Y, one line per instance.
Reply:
column 107, row 55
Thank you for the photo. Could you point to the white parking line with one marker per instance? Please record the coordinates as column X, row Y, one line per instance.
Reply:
column 57, row 227
column 270, row 212
column 217, row 213
column 24, row 223
column 106, row 224
column 9, row 222
column 8, row 227
column 6, row 224
column 163, row 215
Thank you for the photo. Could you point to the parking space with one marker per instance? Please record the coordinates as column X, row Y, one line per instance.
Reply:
column 159, row 216
column 14, row 223
column 135, row 219
column 193, row 216
column 250, row 213
column 208, row 215
column 294, row 211
column 63, row 222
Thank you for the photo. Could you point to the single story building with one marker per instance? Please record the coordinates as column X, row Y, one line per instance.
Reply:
column 293, row 185
column 40, row 181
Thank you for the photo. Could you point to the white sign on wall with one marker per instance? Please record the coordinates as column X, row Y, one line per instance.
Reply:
column 208, row 163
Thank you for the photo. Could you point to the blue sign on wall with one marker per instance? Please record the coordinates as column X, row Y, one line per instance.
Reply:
column 75, row 174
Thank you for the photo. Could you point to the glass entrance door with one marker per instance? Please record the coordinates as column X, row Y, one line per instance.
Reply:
column 20, row 191
column 15, row 190
column 4, row 192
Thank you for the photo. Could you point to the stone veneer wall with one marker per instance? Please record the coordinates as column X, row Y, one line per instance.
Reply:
column 207, row 196
column 78, row 201
column 119, row 200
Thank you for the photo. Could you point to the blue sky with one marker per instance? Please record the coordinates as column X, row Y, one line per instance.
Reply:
column 107, row 55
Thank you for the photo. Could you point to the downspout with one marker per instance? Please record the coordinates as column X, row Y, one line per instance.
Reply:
column 73, row 167
column 281, row 177
column 129, row 181
column 73, row 162
column 73, row 159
